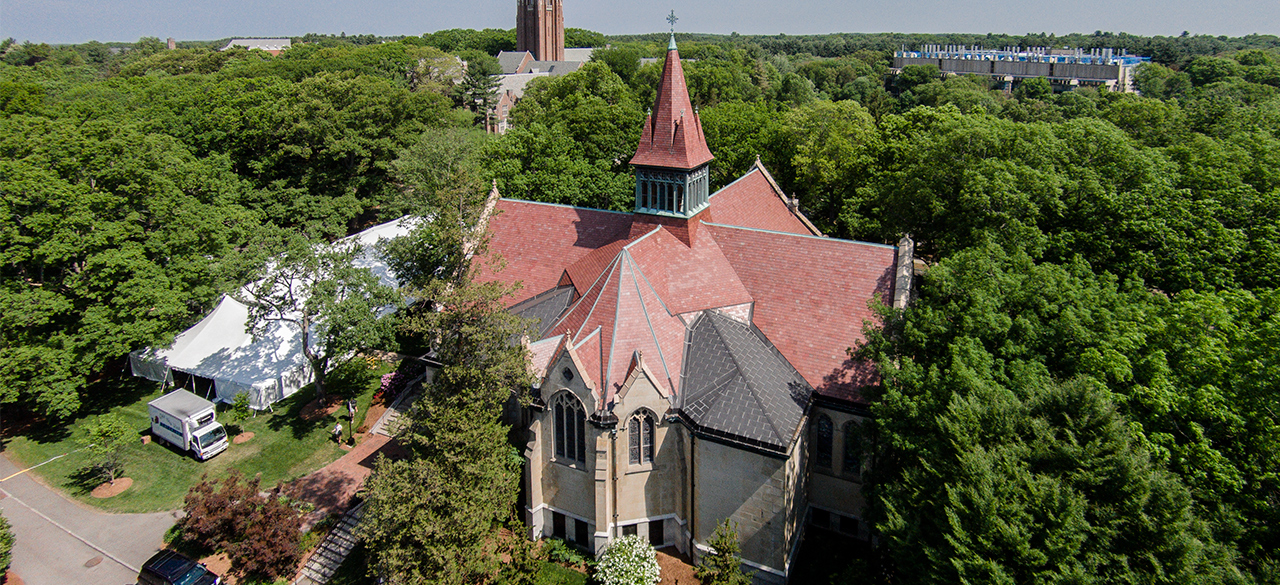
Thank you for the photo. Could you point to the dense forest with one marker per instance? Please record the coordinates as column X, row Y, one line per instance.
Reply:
column 1084, row 388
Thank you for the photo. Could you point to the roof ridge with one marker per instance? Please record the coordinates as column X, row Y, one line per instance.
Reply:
column 716, row 388
column 564, row 206
column 734, row 182
column 635, row 268
column 607, row 362
column 755, row 392
column 777, row 190
column 818, row 238
column 600, row 280
column 655, row 230
column 588, row 337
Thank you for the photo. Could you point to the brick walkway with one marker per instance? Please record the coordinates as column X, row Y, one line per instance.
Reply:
column 332, row 487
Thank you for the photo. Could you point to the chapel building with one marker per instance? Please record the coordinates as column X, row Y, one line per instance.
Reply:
column 691, row 357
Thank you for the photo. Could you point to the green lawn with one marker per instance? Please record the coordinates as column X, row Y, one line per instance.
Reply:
column 284, row 446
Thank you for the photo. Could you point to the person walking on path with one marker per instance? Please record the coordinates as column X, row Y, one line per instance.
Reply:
column 351, row 407
column 337, row 432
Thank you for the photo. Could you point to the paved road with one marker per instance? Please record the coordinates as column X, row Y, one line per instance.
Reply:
column 60, row 542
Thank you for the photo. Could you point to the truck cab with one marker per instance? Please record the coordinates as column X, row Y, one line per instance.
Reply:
column 208, row 441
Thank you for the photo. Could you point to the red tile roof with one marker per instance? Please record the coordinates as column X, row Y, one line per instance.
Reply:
column 627, row 314
column 538, row 240
column 689, row 278
column 755, row 201
column 672, row 136
column 811, row 298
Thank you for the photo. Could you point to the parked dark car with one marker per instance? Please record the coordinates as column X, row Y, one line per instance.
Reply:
column 170, row 568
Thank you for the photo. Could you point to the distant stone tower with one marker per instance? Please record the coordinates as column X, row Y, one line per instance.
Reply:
column 540, row 29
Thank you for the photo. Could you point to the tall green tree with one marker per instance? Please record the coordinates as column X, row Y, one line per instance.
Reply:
column 433, row 517
column 1000, row 452
column 113, row 238
column 333, row 303
column 723, row 564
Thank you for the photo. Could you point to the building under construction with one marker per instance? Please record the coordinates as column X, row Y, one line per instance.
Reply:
column 1064, row 68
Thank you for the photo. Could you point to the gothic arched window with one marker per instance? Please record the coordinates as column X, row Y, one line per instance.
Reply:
column 640, row 437
column 570, row 421
column 823, row 432
column 852, row 449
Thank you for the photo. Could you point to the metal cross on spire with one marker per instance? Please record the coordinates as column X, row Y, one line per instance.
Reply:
column 671, row 18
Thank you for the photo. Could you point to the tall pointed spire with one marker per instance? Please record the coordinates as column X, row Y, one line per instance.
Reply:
column 672, row 160
column 672, row 135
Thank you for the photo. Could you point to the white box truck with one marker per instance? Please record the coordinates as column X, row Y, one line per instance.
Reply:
column 186, row 421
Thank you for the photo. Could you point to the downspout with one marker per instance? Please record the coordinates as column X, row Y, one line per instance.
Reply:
column 693, row 491
column 613, row 477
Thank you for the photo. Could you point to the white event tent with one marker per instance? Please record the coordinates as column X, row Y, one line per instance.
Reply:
column 221, row 348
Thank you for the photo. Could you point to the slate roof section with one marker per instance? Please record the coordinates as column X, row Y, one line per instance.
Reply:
column 580, row 54
column 545, row 308
column 738, row 387
column 540, row 355
column 554, row 68
column 516, row 83
column 672, row 135
column 812, row 296
column 688, row 278
column 514, row 61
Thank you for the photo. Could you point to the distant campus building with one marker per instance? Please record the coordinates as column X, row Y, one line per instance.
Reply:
column 691, row 357
column 273, row 46
column 1064, row 68
column 540, row 52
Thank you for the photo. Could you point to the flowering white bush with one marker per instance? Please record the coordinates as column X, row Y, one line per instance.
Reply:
column 628, row 561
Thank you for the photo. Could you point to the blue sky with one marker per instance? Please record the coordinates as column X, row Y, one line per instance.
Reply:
column 75, row 21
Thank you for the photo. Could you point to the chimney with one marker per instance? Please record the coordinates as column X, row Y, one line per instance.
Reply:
column 905, row 271
column 172, row 45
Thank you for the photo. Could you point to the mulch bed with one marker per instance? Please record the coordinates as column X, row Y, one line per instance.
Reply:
column 242, row 438
column 107, row 489
column 675, row 568
column 371, row 417
column 316, row 409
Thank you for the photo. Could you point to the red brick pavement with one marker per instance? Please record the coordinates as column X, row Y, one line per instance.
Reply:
column 332, row 487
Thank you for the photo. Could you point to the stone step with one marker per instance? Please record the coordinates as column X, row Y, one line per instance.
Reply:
column 326, row 559
column 394, row 419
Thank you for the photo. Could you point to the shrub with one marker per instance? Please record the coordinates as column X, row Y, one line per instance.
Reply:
column 392, row 384
column 268, row 548
column 630, row 560
column 557, row 551
column 260, row 534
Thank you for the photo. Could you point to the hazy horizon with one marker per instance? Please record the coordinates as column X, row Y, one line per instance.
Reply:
column 78, row 21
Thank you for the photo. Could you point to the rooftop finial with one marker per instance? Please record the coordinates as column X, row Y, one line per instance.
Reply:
column 671, row 18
